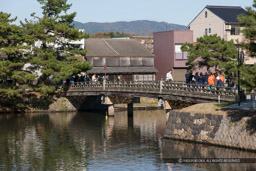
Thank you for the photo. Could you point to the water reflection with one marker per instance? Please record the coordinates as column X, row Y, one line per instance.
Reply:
column 81, row 141
column 176, row 149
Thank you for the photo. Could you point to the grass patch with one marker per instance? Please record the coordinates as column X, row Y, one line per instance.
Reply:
column 224, row 104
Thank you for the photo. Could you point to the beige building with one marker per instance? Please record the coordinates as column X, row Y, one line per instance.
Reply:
column 220, row 20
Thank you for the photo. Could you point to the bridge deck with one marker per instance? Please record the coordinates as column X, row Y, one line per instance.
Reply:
column 171, row 91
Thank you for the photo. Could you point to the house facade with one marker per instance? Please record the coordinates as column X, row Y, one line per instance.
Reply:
column 220, row 20
column 125, row 59
column 168, row 54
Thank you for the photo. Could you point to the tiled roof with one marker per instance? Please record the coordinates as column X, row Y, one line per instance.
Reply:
column 115, row 47
column 228, row 13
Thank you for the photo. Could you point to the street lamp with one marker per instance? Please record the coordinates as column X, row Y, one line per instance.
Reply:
column 240, row 60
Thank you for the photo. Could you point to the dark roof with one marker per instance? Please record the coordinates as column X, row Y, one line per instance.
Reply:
column 115, row 47
column 228, row 13
column 129, row 70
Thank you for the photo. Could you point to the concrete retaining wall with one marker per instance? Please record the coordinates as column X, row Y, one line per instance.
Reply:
column 230, row 131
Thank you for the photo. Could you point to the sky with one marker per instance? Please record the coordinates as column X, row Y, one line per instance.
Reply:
column 171, row 11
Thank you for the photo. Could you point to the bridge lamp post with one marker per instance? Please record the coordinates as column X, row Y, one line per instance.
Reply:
column 240, row 60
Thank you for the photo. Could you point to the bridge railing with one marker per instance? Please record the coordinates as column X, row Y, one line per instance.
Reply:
column 160, row 86
column 179, row 86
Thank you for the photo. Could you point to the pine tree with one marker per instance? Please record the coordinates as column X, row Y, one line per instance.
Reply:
column 248, row 23
column 55, row 55
column 12, row 47
column 211, row 51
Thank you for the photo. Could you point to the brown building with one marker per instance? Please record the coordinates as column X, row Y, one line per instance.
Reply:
column 125, row 58
column 168, row 54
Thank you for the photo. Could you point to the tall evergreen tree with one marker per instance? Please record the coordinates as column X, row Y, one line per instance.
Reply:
column 248, row 22
column 211, row 51
column 54, row 54
column 13, row 50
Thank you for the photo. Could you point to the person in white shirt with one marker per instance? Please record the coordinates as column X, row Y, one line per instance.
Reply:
column 169, row 77
column 94, row 79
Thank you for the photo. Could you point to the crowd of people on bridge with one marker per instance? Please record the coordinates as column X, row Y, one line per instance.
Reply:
column 79, row 78
column 84, row 78
column 210, row 80
column 206, row 80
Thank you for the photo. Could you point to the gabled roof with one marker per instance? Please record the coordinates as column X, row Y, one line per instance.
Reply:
column 227, row 13
column 115, row 48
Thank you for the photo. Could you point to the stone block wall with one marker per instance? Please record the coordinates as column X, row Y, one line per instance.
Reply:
column 212, row 129
column 60, row 104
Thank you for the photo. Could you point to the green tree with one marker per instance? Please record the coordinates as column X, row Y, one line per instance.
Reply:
column 111, row 34
column 248, row 22
column 12, row 47
column 54, row 54
column 211, row 51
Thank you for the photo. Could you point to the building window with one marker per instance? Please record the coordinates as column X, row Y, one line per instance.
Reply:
column 205, row 31
column 179, row 55
column 205, row 14
column 234, row 30
column 210, row 30
column 144, row 77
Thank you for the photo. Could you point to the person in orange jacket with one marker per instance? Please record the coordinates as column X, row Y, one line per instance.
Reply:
column 221, row 77
column 211, row 79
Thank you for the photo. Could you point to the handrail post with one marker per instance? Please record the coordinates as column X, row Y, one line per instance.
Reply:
column 104, row 84
column 161, row 85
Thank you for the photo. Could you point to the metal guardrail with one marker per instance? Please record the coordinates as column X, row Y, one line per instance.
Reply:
column 161, row 87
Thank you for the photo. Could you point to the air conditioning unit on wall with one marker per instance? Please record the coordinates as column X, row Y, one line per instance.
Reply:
column 228, row 27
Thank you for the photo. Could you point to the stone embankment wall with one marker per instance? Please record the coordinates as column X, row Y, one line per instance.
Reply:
column 225, row 130
column 60, row 104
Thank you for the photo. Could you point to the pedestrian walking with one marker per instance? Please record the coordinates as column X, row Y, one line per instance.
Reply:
column 222, row 79
column 94, row 79
column 211, row 79
column 197, row 78
column 192, row 79
column 169, row 77
column 205, row 78
column 201, row 80
column 187, row 77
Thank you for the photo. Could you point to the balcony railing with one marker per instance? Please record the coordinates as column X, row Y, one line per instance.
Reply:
column 181, row 56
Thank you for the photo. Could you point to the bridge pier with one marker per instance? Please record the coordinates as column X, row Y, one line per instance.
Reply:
column 130, row 109
column 111, row 110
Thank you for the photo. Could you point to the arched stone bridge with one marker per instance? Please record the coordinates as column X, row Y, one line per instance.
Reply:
column 101, row 96
column 158, row 89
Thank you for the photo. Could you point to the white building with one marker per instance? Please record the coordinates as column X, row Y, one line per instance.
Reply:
column 220, row 20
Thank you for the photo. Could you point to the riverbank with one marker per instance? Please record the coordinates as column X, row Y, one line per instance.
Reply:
column 40, row 104
column 211, row 123
column 35, row 103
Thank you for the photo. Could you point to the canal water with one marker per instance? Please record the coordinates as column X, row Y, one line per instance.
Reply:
column 89, row 141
